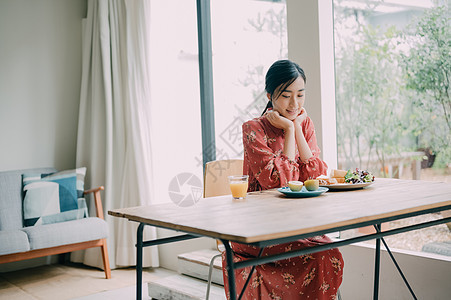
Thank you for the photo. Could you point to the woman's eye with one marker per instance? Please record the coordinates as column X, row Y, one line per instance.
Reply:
column 300, row 95
column 286, row 96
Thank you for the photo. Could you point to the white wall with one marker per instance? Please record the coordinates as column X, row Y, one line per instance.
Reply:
column 40, row 71
column 428, row 274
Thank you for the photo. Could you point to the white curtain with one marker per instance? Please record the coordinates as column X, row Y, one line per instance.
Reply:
column 114, row 140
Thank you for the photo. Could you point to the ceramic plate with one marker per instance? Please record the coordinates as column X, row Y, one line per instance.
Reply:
column 347, row 186
column 302, row 193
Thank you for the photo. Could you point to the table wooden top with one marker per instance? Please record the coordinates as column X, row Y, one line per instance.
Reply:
column 270, row 215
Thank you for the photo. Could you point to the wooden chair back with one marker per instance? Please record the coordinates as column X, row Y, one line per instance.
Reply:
column 216, row 173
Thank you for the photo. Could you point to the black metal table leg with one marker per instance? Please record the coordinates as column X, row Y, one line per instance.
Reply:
column 230, row 270
column 139, row 262
column 397, row 266
column 250, row 275
column 377, row 264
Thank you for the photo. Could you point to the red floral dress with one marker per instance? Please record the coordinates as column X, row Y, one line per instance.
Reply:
column 311, row 276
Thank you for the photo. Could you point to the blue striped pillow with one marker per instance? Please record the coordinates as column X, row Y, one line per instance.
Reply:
column 52, row 198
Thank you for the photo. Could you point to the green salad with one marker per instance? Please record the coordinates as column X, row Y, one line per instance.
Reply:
column 358, row 176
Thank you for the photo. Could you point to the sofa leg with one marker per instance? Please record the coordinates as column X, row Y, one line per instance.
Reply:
column 106, row 261
column 64, row 258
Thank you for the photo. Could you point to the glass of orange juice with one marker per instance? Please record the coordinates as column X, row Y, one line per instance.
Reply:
column 238, row 186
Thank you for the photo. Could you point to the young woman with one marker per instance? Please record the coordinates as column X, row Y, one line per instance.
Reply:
column 281, row 146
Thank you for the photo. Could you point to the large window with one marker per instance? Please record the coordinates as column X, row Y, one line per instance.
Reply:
column 247, row 37
column 392, row 87
column 177, row 141
column 392, row 82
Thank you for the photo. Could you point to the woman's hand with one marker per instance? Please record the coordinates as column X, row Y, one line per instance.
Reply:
column 279, row 121
column 304, row 150
column 301, row 117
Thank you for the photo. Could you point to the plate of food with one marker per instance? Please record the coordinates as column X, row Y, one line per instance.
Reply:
column 347, row 186
column 346, row 180
column 302, row 193
column 297, row 189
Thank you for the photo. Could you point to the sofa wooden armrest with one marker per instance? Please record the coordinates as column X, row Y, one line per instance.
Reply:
column 99, row 214
column 97, row 200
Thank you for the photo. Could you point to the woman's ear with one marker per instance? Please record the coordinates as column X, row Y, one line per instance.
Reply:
column 268, row 95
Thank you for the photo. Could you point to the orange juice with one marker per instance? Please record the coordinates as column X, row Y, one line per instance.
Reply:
column 239, row 189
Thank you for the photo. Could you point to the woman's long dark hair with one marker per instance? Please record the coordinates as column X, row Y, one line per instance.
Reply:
column 281, row 74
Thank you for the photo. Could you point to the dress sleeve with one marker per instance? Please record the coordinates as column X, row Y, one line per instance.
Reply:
column 271, row 169
column 314, row 166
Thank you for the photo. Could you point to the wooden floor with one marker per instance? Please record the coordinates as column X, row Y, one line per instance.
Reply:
column 73, row 281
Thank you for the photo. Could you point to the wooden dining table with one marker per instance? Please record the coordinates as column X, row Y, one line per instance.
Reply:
column 269, row 217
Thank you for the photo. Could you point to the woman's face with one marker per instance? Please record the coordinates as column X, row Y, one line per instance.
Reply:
column 291, row 100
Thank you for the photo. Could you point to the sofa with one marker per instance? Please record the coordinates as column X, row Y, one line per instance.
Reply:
column 20, row 242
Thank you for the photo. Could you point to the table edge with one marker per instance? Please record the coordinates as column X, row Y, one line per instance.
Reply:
column 279, row 235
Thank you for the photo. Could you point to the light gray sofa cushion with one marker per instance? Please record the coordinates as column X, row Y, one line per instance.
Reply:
column 57, row 234
column 13, row 241
column 11, row 216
